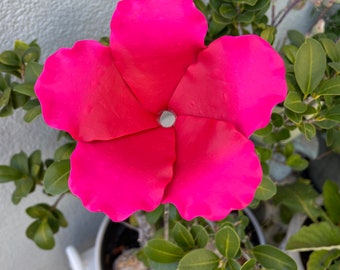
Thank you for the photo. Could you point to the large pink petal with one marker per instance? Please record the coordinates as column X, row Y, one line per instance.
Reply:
column 124, row 175
column 216, row 169
column 236, row 79
column 153, row 43
column 81, row 92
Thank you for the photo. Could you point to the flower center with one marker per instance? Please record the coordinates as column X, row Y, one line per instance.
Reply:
column 167, row 119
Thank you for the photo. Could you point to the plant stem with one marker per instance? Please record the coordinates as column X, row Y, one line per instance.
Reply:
column 166, row 218
column 283, row 13
column 58, row 200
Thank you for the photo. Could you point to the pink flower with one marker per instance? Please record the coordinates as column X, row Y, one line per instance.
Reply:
column 110, row 100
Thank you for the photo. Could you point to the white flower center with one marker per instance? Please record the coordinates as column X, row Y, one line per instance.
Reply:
column 167, row 119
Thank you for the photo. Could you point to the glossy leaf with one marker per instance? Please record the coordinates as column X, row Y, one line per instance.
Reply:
column 296, row 162
column 163, row 251
column 32, row 113
column 330, row 87
column 308, row 130
column 290, row 52
column 233, row 265
column 294, row 102
column 39, row 211
column 227, row 242
column 273, row 258
column 32, row 72
column 199, row 259
column 183, row 237
column 330, row 49
column 64, row 151
column 25, row 89
column 20, row 162
column 322, row 259
column 335, row 66
column 41, row 233
column 8, row 174
column 5, row 97
column 200, row 235
column 249, row 265
column 60, row 217
column 295, row 37
column 10, row 58
column 317, row 236
column 333, row 113
column 22, row 188
column 331, row 197
column 310, row 65
column 35, row 163
column 299, row 197
column 56, row 177
column 266, row 190
column 155, row 215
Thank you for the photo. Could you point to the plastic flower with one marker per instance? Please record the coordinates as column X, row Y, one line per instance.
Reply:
column 111, row 99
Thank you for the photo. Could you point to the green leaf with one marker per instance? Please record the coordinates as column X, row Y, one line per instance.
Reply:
column 322, row 259
column 23, row 188
column 290, row 52
column 41, row 233
column 227, row 11
column 276, row 120
column 296, row 162
column 163, row 266
column 330, row 49
column 10, row 58
column 32, row 72
column 199, row 259
column 8, row 174
column 269, row 34
column 35, row 163
column 32, row 54
column 163, row 251
column 56, row 177
column 39, row 211
column 335, row 66
column 227, row 242
column 264, row 131
column 245, row 17
column 299, row 197
column 294, row 102
column 294, row 117
column 20, row 162
column 26, row 89
column 317, row 236
column 310, row 65
column 233, row 265
column 296, row 38
column 249, row 265
column 333, row 113
column 331, row 197
column 183, row 237
column 266, row 190
column 200, row 235
column 308, row 130
column 5, row 97
column 10, row 70
column 330, row 87
column 153, row 216
column 273, row 258
column 64, row 151
column 32, row 113
column 248, row 2
column 60, row 217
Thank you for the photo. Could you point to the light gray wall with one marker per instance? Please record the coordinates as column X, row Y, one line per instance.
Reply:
column 55, row 23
